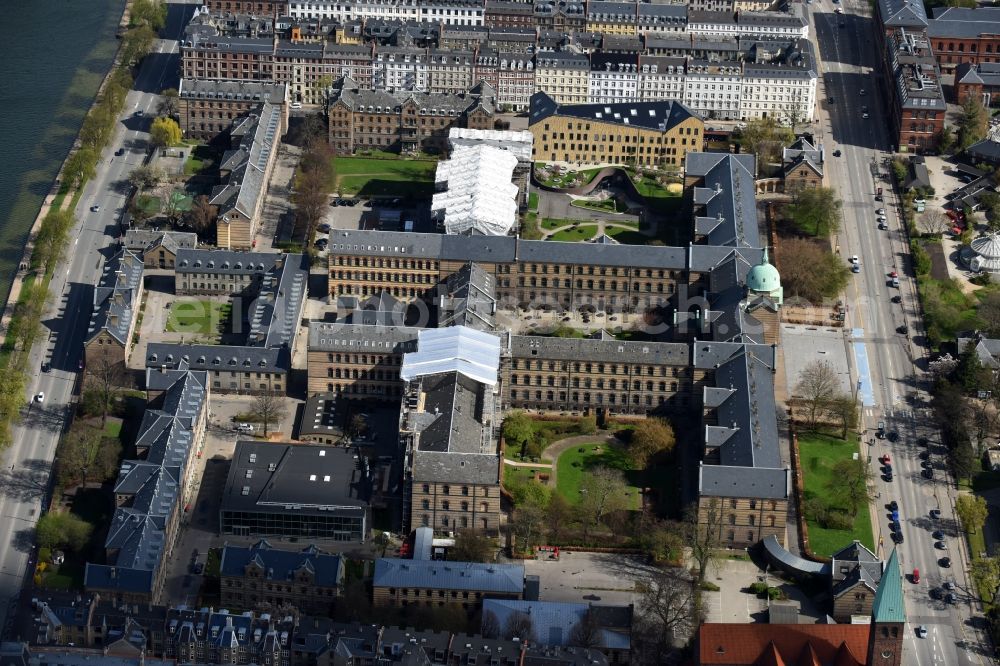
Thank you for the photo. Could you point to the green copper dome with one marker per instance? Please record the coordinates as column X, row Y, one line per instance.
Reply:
column 764, row 278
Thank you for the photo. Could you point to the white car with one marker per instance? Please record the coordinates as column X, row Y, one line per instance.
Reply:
column 880, row 211
column 839, row 10
column 40, row 397
column 865, row 115
column 922, row 631
column 245, row 427
column 296, row 105
column 854, row 259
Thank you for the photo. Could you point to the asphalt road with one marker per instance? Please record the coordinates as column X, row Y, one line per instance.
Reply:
column 896, row 392
column 24, row 479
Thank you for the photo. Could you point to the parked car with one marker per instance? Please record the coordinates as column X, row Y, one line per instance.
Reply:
column 935, row 514
column 915, row 576
column 295, row 105
column 837, row 153
column 325, row 228
column 893, row 505
column 40, row 397
column 95, row 209
column 941, row 545
column 938, row 534
column 245, row 427
column 46, row 367
column 945, row 562
column 885, row 459
column 119, row 152
column 880, row 211
column 897, row 299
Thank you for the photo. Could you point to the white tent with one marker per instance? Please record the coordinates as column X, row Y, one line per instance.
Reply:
column 454, row 349
column 480, row 196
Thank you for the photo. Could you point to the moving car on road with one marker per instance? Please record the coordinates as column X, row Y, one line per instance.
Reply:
column 40, row 397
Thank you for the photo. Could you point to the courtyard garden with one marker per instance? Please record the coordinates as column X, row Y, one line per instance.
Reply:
column 389, row 176
column 199, row 317
column 831, row 520
column 577, row 462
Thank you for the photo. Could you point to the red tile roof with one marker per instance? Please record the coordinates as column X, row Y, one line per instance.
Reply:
column 785, row 644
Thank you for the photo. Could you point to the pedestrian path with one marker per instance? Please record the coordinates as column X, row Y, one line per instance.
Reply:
column 865, row 389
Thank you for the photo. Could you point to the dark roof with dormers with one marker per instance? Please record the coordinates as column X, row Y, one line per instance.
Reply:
column 218, row 357
column 282, row 565
column 116, row 295
column 662, row 116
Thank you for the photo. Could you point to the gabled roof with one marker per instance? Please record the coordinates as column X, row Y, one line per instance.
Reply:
column 745, row 644
column 282, row 565
column 473, row 353
column 902, row 13
column 663, row 115
column 116, row 295
column 432, row 574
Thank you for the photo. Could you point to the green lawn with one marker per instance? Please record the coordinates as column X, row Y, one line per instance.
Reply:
column 818, row 453
column 181, row 202
column 947, row 309
column 605, row 205
column 628, row 236
column 550, row 223
column 150, row 204
column 384, row 177
column 199, row 159
column 532, row 200
column 522, row 474
column 574, row 234
column 199, row 317
column 574, row 464
column 113, row 428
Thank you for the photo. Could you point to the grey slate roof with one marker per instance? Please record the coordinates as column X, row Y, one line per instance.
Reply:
column 116, row 295
column 278, row 478
column 987, row 349
column 319, row 416
column 227, row 262
column 987, row 149
column 963, row 22
column 802, row 152
column 431, row 574
column 249, row 91
column 347, row 92
column 138, row 531
column 755, row 482
column 469, row 299
column 500, row 249
column 453, row 430
column 729, row 196
column 222, row 358
column 600, row 350
column 282, row 565
column 244, row 189
column 902, row 13
column 337, row 337
column 146, row 240
column 662, row 116
column 275, row 314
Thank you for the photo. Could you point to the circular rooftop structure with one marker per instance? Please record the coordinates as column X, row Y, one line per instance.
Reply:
column 984, row 254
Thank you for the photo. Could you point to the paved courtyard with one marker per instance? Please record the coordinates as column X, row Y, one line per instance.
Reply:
column 802, row 345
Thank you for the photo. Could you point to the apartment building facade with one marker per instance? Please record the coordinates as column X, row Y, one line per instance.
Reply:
column 116, row 306
column 964, row 35
column 207, row 108
column 404, row 122
column 651, row 134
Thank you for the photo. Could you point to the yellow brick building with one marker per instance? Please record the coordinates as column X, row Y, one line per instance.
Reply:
column 645, row 134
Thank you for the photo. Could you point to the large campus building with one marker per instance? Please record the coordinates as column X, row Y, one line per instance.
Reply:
column 718, row 300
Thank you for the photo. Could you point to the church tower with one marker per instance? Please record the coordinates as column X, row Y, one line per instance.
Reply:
column 885, row 641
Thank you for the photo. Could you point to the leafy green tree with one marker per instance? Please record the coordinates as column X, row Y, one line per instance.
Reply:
column 136, row 44
column 972, row 511
column 850, row 482
column 604, row 491
column 86, row 454
column 472, row 546
column 810, row 271
column 765, row 138
column 650, row 438
column 517, row 430
column 165, row 132
column 149, row 13
column 527, row 492
column 80, row 167
column 815, row 210
column 62, row 530
column 973, row 123
column 145, row 177
column 970, row 373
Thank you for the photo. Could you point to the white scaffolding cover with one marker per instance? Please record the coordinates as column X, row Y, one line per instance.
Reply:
column 480, row 195
column 454, row 349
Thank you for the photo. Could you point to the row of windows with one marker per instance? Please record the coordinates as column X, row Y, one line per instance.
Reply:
column 446, row 506
column 751, row 519
column 365, row 359
column 588, row 399
column 461, row 521
column 587, row 382
column 364, row 389
column 613, row 368
column 384, row 277
column 446, row 490
column 407, row 264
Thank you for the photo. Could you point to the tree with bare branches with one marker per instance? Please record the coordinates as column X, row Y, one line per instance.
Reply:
column 668, row 608
column 105, row 377
column 816, row 389
column 933, row 223
column 704, row 533
column 586, row 633
column 202, row 215
column 268, row 408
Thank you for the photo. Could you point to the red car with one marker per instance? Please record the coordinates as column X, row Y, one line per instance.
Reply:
column 885, row 459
